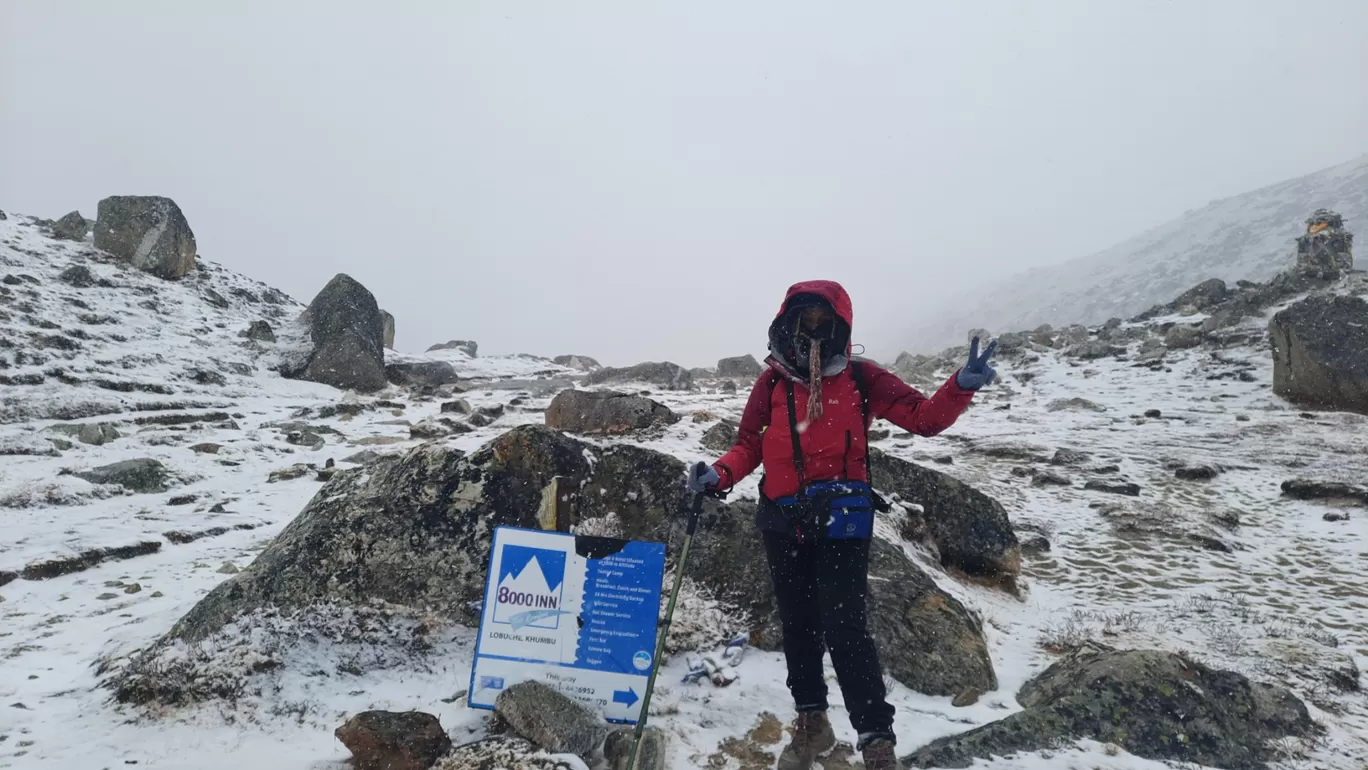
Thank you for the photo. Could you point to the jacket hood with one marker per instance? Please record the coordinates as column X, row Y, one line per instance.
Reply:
column 803, row 293
column 834, row 294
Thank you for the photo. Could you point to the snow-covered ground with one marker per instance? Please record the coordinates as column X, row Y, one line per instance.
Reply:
column 1283, row 598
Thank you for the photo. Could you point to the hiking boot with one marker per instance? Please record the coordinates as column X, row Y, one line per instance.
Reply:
column 879, row 755
column 812, row 738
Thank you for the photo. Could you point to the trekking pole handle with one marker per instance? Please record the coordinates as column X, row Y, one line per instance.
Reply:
column 695, row 511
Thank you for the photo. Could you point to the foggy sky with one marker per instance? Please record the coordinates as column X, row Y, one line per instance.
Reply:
column 633, row 181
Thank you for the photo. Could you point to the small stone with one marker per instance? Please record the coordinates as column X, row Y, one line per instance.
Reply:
column 133, row 588
column 1050, row 478
column 1074, row 405
column 218, row 508
column 114, row 584
column 182, row 500
column 156, row 594
column 967, row 698
column 1063, row 456
column 1153, row 414
column 550, row 719
column 944, row 460
column 1196, row 473
column 617, row 749
column 388, row 740
column 1121, row 488
column 1336, row 516
column 459, row 406
column 1241, row 418
column 206, row 448
column 107, row 596
column 228, row 568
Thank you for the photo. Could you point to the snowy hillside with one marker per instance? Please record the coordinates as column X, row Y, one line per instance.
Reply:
column 1249, row 236
column 1226, row 569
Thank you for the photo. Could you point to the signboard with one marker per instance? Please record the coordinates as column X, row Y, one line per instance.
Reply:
column 577, row 613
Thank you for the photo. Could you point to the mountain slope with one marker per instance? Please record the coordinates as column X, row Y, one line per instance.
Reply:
column 1249, row 236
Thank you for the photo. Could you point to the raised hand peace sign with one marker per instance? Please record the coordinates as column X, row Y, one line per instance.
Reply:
column 977, row 372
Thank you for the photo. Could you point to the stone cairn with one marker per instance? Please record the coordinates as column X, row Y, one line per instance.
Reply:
column 1326, row 250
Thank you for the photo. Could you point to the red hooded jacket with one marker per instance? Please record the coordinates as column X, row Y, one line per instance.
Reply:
column 834, row 447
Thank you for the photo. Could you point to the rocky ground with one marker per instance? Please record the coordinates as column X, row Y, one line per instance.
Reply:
column 1142, row 468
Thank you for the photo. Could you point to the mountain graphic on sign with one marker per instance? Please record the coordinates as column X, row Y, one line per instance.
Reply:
column 525, row 588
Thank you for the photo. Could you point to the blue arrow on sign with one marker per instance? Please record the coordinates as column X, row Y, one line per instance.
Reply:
column 626, row 697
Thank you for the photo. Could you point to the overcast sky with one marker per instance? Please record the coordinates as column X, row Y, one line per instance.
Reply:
column 634, row 181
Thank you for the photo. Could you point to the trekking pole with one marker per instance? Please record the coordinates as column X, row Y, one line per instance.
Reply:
column 694, row 513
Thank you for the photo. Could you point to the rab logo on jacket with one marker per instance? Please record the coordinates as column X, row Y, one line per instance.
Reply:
column 531, row 581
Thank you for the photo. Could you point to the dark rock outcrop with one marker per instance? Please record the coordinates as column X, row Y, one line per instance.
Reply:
column 720, row 438
column 72, row 227
column 429, row 374
column 77, row 276
column 605, row 412
column 348, row 337
column 970, row 530
column 390, row 740
column 469, row 347
column 1329, row 491
column 145, row 475
column 926, row 638
column 665, row 375
column 148, row 232
column 260, row 331
column 581, row 363
column 1320, row 352
column 740, row 367
column 1153, row 704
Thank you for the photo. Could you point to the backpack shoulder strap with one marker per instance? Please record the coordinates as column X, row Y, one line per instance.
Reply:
column 857, row 370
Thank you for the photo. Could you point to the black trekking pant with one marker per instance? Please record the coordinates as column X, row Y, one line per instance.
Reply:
column 821, row 587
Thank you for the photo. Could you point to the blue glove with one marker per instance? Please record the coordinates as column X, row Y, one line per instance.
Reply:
column 699, row 478
column 977, row 372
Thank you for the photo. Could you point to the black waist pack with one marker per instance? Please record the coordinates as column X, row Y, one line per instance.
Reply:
column 835, row 510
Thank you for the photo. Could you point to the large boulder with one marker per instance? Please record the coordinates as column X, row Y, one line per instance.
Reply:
column 1153, row 704
column 387, row 325
column 740, row 367
column 926, row 638
column 148, row 232
column 580, row 363
column 721, row 437
column 1320, row 352
column 432, row 374
column 72, row 227
column 145, row 475
column 665, row 375
column 469, row 347
column 1204, row 295
column 413, row 530
column 605, row 412
column 969, row 529
column 348, row 337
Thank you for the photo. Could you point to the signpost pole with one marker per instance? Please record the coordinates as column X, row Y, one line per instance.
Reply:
column 664, row 631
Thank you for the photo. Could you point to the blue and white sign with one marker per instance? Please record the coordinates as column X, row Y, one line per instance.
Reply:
column 578, row 613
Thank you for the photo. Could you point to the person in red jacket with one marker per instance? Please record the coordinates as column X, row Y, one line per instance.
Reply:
column 806, row 423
